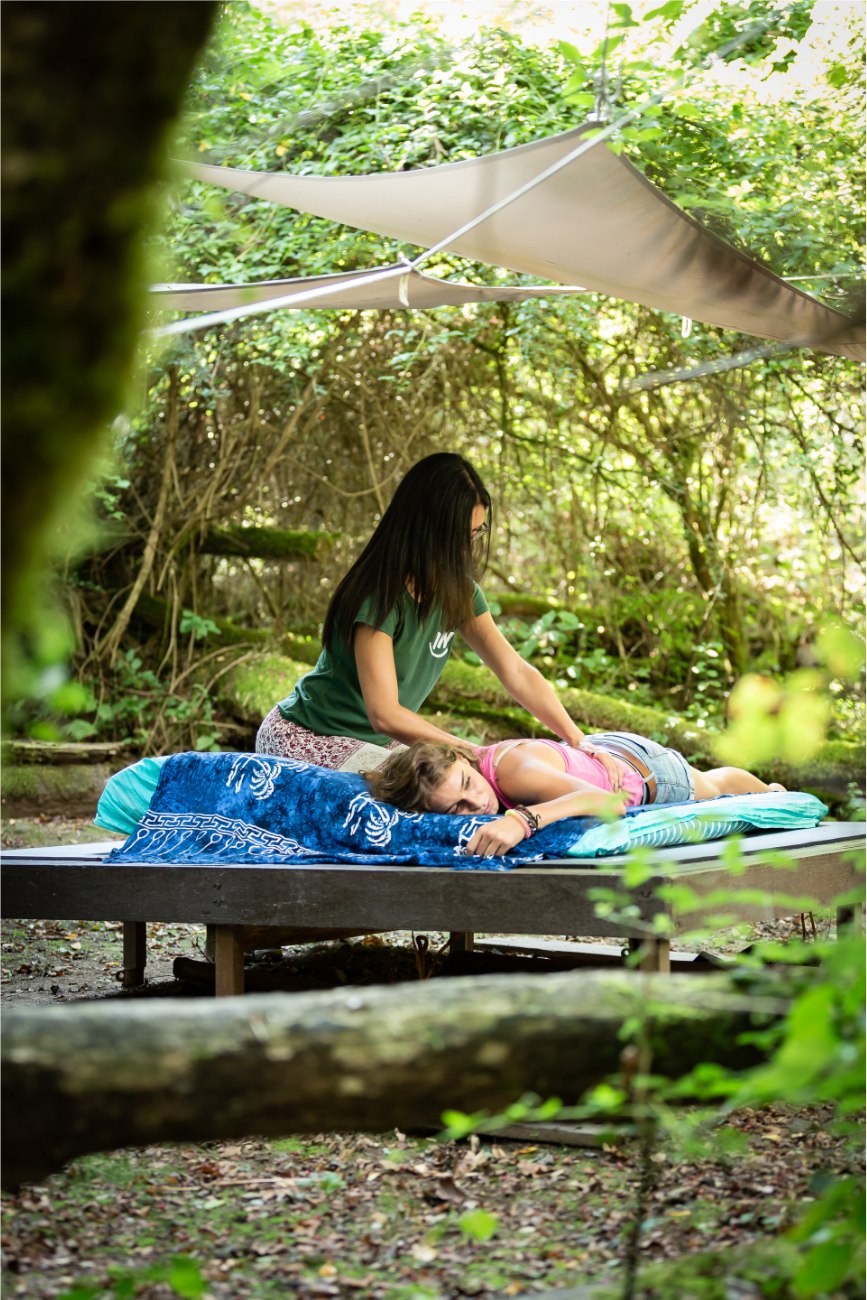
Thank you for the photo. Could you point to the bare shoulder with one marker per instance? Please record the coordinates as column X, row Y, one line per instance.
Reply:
column 526, row 771
column 532, row 752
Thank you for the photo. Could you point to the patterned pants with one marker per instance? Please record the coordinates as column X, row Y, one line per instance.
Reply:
column 341, row 753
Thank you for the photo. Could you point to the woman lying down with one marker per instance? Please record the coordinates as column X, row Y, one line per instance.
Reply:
column 538, row 782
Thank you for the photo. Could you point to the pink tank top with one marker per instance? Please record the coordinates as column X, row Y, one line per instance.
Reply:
column 577, row 762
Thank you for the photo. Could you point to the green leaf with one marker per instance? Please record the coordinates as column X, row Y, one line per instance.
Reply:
column 205, row 742
column 607, row 47
column 679, row 897
column 624, row 16
column 517, row 1112
column 636, row 871
column 185, row 1278
column 604, row 1097
column 839, row 76
column 458, row 1124
column 479, row 1224
column 79, row 729
column 571, row 53
column 72, row 697
column 825, row 1268
column 575, row 84
column 688, row 111
column 548, row 1109
column 841, row 1195
column 586, row 99
column 670, row 11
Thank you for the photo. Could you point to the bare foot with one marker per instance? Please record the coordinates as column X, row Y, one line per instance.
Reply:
column 775, row 785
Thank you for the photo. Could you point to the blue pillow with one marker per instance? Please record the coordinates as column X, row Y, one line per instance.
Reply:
column 660, row 825
column 127, row 795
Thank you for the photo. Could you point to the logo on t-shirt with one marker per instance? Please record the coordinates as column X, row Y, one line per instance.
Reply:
column 441, row 644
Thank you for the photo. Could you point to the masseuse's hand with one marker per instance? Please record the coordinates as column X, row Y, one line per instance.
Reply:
column 613, row 770
column 496, row 838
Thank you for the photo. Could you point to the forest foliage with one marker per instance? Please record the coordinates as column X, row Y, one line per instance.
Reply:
column 657, row 544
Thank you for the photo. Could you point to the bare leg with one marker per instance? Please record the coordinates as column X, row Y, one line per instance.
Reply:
column 729, row 780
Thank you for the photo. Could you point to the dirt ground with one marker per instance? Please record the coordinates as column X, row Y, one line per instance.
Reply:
column 392, row 1216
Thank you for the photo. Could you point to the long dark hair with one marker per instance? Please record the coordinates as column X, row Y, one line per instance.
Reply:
column 422, row 542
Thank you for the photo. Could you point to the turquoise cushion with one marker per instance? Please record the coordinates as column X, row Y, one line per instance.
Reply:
column 707, row 819
column 127, row 795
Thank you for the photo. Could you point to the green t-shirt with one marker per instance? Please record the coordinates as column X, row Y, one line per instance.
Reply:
column 328, row 699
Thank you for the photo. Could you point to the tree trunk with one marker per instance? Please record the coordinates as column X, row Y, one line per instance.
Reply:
column 95, row 1076
column 232, row 539
column 88, row 92
column 268, row 543
column 59, row 752
column 732, row 625
column 67, row 790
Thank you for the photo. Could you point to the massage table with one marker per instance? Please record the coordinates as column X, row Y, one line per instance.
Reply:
column 244, row 905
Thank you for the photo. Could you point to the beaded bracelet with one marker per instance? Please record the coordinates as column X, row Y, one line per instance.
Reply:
column 513, row 812
column 534, row 821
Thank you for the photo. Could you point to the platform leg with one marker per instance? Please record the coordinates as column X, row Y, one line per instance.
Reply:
column 655, row 954
column 135, row 940
column 460, row 942
column 229, row 959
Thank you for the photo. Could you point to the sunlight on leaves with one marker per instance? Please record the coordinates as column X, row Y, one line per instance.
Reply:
column 771, row 721
column 840, row 650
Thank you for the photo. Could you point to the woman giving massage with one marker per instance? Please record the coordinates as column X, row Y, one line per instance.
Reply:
column 391, row 625
column 538, row 782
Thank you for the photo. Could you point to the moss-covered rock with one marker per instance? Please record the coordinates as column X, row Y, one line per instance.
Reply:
column 253, row 686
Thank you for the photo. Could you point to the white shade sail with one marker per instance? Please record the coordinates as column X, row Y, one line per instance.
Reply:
column 359, row 290
column 595, row 221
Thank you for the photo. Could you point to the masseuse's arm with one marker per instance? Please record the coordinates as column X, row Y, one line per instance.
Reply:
column 528, row 687
column 525, row 684
column 374, row 660
column 551, row 795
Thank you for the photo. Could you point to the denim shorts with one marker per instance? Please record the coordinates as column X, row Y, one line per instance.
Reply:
column 674, row 780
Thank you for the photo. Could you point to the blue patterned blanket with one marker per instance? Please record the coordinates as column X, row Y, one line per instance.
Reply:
column 249, row 808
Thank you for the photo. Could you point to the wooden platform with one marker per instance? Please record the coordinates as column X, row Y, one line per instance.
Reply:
column 552, row 898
